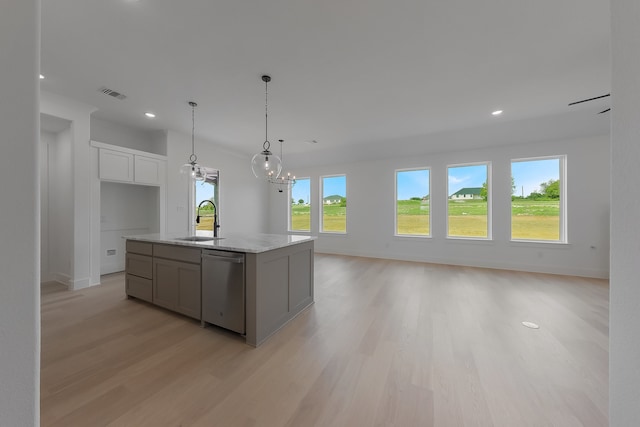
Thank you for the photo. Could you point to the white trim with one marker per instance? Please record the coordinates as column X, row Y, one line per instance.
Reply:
column 98, row 144
column 395, row 202
column 562, row 176
column 489, row 202
column 290, row 191
column 320, row 220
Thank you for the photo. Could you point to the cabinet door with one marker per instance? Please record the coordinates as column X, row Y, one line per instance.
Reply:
column 139, row 287
column 148, row 170
column 176, row 286
column 116, row 165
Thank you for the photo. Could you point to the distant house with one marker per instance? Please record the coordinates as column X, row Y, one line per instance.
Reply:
column 332, row 200
column 466, row 193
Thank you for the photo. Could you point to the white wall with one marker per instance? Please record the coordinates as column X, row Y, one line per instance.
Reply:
column 125, row 136
column 46, row 139
column 20, row 217
column 84, row 267
column 624, row 353
column 370, row 212
column 125, row 209
column 60, row 207
column 243, row 199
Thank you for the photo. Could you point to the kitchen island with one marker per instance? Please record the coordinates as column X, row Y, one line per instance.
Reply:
column 272, row 278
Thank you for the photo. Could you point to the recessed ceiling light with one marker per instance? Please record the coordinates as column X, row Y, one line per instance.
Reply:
column 150, row 115
column 41, row 77
column 497, row 112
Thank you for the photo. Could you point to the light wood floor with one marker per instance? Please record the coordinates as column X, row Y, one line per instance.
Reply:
column 387, row 343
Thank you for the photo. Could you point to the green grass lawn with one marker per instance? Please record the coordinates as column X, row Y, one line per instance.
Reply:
column 535, row 219
column 531, row 219
column 300, row 217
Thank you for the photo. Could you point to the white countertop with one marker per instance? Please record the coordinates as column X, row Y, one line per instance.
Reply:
column 238, row 242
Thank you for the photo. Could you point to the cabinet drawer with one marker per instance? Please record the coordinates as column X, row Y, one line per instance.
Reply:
column 139, row 287
column 139, row 265
column 142, row 248
column 177, row 253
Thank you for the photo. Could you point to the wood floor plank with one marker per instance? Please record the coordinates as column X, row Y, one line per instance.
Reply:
column 387, row 343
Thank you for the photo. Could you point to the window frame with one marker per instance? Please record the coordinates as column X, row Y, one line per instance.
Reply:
column 562, row 176
column 289, row 205
column 321, row 211
column 395, row 204
column 489, row 236
column 193, row 201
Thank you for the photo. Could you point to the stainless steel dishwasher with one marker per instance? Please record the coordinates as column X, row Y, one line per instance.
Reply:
column 223, row 289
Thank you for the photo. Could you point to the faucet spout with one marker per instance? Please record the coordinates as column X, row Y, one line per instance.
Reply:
column 216, row 226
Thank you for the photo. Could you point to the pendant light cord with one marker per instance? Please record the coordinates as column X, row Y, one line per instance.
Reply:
column 193, row 156
column 266, row 145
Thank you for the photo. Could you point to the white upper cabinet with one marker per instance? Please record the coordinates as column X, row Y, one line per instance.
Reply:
column 148, row 170
column 116, row 165
column 121, row 164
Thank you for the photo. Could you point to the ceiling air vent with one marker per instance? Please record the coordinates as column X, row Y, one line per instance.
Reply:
column 112, row 93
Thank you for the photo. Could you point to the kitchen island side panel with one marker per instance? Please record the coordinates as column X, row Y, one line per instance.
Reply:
column 279, row 286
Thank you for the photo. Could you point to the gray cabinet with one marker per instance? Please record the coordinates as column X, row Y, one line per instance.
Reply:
column 139, row 271
column 176, row 286
column 176, row 279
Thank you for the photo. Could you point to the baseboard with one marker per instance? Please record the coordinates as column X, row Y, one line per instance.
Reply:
column 61, row 278
column 529, row 268
column 80, row 284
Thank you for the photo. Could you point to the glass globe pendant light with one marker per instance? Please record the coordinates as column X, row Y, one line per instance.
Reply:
column 192, row 167
column 265, row 164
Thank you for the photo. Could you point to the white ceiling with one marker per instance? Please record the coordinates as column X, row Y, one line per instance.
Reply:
column 347, row 73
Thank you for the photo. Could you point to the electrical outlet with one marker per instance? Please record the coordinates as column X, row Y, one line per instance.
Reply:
column 111, row 252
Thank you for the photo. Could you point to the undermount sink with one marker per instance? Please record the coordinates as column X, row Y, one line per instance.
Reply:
column 198, row 238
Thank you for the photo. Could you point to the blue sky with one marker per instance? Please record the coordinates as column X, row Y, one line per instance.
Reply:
column 334, row 185
column 203, row 191
column 413, row 183
column 466, row 177
column 302, row 190
column 530, row 174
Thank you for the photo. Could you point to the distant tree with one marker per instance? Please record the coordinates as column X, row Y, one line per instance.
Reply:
column 513, row 186
column 293, row 202
column 415, row 198
column 301, row 202
column 551, row 189
column 535, row 196
column 343, row 202
column 484, row 191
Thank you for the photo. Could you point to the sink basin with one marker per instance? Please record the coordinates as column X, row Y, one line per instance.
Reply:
column 198, row 238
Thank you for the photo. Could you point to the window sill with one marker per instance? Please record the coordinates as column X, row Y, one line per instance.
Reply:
column 539, row 243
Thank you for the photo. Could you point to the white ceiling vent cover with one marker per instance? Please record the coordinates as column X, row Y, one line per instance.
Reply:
column 112, row 93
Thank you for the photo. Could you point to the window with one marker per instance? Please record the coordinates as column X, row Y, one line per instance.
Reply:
column 537, row 195
column 334, row 204
column 205, row 190
column 300, row 208
column 412, row 202
column 468, row 207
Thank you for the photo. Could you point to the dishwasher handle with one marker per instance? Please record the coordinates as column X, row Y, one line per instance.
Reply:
column 234, row 259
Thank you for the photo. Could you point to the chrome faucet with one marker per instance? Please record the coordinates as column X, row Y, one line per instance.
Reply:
column 215, row 216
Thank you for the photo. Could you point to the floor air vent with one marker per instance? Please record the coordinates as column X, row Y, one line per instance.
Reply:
column 112, row 93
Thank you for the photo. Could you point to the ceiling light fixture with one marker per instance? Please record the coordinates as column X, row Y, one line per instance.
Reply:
column 283, row 181
column 150, row 115
column 41, row 76
column 193, row 168
column 497, row 112
column 266, row 165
